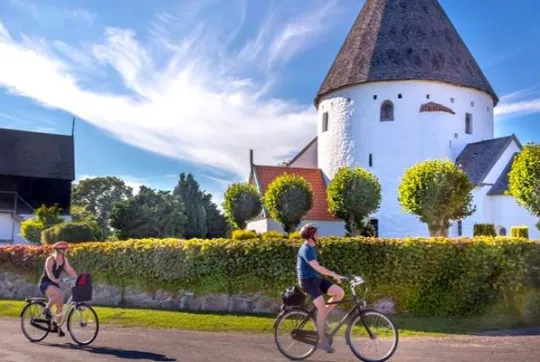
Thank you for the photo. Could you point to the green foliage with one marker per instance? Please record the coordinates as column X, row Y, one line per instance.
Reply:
column 244, row 235
column 149, row 214
column 430, row 276
column 295, row 236
column 519, row 232
column 272, row 235
column 438, row 192
column 189, row 192
column 353, row 195
column 80, row 214
column 484, row 230
column 216, row 223
column 98, row 196
column 72, row 232
column 288, row 199
column 241, row 203
column 45, row 217
column 31, row 230
column 524, row 179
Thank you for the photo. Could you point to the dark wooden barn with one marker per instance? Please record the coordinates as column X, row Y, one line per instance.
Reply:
column 35, row 169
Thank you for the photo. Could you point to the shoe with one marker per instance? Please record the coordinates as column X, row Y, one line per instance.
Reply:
column 325, row 346
column 61, row 332
column 47, row 313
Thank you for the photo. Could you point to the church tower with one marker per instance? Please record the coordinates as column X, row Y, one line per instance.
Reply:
column 403, row 89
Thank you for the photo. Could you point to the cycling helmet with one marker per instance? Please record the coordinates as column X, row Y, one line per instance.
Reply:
column 308, row 231
column 61, row 245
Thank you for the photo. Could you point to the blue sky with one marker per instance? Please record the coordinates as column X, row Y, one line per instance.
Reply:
column 164, row 87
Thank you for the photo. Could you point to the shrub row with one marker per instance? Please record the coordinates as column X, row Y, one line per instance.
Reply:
column 434, row 276
column 520, row 232
column 484, row 230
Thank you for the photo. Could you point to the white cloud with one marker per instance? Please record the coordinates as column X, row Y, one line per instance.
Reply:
column 520, row 103
column 80, row 15
column 191, row 99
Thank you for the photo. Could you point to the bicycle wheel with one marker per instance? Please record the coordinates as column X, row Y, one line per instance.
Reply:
column 38, row 325
column 296, row 328
column 83, row 324
column 371, row 328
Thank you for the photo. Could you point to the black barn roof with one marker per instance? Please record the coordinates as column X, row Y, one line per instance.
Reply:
column 404, row 40
column 39, row 155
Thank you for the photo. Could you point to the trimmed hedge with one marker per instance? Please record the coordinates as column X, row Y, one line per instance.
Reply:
column 72, row 232
column 519, row 232
column 272, row 235
column 244, row 235
column 484, row 230
column 434, row 276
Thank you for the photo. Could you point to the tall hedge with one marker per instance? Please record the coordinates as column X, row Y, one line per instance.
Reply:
column 422, row 276
column 484, row 230
column 519, row 232
column 72, row 232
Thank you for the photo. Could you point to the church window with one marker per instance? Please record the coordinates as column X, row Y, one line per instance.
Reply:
column 452, row 100
column 468, row 123
column 460, row 228
column 370, row 160
column 399, row 96
column 428, row 96
column 502, row 232
column 375, row 97
column 472, row 104
column 325, row 122
column 387, row 111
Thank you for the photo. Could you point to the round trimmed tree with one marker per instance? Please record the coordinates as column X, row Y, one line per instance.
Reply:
column 288, row 199
column 241, row 203
column 524, row 179
column 353, row 195
column 438, row 192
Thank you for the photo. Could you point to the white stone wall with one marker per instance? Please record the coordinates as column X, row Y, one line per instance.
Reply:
column 355, row 131
column 507, row 213
column 308, row 159
column 326, row 228
column 6, row 226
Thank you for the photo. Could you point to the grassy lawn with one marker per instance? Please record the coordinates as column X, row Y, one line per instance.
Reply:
column 408, row 326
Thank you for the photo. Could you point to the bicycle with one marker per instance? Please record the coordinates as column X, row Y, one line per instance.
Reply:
column 358, row 314
column 75, row 307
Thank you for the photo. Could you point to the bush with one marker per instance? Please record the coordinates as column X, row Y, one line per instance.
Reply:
column 430, row 276
column 272, row 235
column 484, row 230
column 519, row 232
column 241, row 203
column 295, row 236
column 31, row 230
column 45, row 217
column 73, row 232
column 244, row 235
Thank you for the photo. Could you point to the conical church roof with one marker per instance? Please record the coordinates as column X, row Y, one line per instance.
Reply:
column 404, row 40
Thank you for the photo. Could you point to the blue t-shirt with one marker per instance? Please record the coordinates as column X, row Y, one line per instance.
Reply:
column 306, row 254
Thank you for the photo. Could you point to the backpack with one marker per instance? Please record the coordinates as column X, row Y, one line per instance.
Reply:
column 82, row 291
column 293, row 296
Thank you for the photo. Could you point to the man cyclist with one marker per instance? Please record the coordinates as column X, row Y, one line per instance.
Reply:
column 309, row 280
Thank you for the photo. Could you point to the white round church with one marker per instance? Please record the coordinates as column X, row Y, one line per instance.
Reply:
column 403, row 89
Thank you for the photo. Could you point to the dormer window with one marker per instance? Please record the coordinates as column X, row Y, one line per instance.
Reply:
column 387, row 111
column 468, row 123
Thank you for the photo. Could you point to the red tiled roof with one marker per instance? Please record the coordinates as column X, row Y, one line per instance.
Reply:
column 435, row 107
column 314, row 176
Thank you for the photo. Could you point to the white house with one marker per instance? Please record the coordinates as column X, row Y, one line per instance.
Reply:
column 404, row 88
column 35, row 169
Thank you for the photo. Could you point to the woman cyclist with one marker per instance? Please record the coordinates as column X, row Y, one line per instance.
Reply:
column 50, row 282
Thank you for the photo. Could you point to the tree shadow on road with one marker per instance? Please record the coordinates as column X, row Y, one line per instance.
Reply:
column 117, row 352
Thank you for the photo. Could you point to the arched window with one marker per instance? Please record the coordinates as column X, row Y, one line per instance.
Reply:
column 502, row 232
column 387, row 111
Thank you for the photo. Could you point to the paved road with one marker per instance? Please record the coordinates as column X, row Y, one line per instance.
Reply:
column 135, row 344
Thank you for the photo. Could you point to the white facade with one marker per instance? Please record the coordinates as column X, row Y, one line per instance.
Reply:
column 326, row 228
column 9, row 226
column 355, row 131
column 308, row 158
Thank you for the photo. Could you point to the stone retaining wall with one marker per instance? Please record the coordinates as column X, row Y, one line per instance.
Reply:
column 16, row 287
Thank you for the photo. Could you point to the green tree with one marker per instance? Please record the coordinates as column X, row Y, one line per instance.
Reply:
column 188, row 191
column 98, row 196
column 438, row 192
column 216, row 223
column 149, row 214
column 81, row 215
column 44, row 218
column 241, row 203
column 288, row 199
column 524, row 179
column 353, row 195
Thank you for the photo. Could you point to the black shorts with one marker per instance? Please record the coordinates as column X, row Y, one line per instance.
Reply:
column 315, row 287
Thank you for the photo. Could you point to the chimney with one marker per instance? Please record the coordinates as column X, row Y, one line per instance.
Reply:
column 251, row 158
